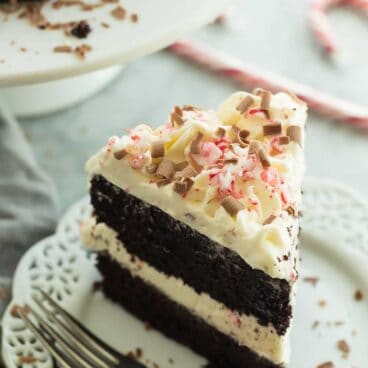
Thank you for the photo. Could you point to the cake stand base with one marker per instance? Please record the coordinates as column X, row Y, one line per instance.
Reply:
column 45, row 98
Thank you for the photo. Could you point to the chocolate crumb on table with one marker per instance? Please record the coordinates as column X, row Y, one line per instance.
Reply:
column 171, row 360
column 358, row 295
column 322, row 303
column 64, row 49
column 315, row 325
column 134, row 18
column 138, row 353
column 344, row 347
column 326, row 365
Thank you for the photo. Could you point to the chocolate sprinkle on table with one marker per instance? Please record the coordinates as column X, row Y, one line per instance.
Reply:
column 326, row 365
column 81, row 30
column 358, row 295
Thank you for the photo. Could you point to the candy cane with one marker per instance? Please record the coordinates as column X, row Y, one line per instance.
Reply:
column 320, row 25
column 251, row 76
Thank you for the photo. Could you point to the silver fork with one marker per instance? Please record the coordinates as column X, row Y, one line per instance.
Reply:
column 68, row 341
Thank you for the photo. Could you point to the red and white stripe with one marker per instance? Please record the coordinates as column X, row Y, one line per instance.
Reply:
column 250, row 76
column 320, row 26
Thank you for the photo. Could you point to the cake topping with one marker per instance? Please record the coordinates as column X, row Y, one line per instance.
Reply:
column 231, row 205
column 187, row 172
column 266, row 102
column 151, row 169
column 272, row 129
column 245, row 104
column 294, row 132
column 158, row 149
column 181, row 165
column 195, row 145
column 221, row 163
column 180, row 187
column 176, row 117
column 119, row 155
column 283, row 140
column 166, row 169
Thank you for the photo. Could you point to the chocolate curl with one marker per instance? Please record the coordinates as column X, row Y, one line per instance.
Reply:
column 162, row 182
column 283, row 140
column 245, row 104
column 241, row 137
column 220, row 132
column 188, row 172
column 195, row 145
column 272, row 129
column 231, row 205
column 189, row 183
column 166, row 169
column 151, row 169
column 263, row 158
column 176, row 118
column 254, row 147
column 266, row 102
column 181, row 165
column 180, row 187
column 269, row 219
column 158, row 149
column 294, row 132
column 119, row 155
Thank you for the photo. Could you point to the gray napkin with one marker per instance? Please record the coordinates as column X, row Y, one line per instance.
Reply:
column 27, row 201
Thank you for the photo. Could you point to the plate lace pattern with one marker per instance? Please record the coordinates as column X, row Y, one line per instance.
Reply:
column 61, row 267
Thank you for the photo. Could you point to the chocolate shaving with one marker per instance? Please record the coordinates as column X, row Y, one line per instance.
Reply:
column 266, row 102
column 188, row 172
column 176, row 118
column 263, row 158
column 231, row 205
column 151, row 169
column 326, row 365
column 245, row 104
column 254, row 147
column 257, row 91
column 118, row 13
column 242, row 136
column 344, row 347
column 294, row 132
column 180, row 187
column 269, row 219
column 181, row 165
column 195, row 145
column 134, row 18
column 235, row 129
column 233, row 160
column 162, row 182
column 81, row 29
column 119, row 155
column 158, row 149
column 358, row 295
column 272, row 129
column 66, row 49
column 166, row 169
column 283, row 140
column 220, row 132
column 189, row 182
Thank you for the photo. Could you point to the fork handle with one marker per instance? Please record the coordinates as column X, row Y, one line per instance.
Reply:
column 129, row 363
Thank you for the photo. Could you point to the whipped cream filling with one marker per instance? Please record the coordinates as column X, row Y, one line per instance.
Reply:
column 242, row 328
column 263, row 192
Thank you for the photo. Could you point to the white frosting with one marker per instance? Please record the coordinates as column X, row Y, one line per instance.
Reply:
column 270, row 248
column 242, row 328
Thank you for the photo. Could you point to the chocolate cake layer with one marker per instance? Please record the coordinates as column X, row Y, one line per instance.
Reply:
column 176, row 249
column 175, row 321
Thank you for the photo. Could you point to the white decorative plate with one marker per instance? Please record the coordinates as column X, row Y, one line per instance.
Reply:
column 334, row 248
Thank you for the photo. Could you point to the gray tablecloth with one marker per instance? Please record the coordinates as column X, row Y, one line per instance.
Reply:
column 27, row 201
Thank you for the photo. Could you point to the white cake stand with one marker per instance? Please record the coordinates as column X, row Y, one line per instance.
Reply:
column 29, row 67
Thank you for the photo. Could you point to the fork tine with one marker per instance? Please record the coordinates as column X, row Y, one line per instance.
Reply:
column 83, row 333
column 93, row 357
column 61, row 340
column 55, row 352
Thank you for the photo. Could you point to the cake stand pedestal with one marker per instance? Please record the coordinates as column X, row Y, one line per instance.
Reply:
column 48, row 97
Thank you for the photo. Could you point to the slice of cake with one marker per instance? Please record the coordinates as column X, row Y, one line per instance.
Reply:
column 195, row 225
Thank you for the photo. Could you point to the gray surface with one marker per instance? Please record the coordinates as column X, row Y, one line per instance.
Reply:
column 275, row 37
